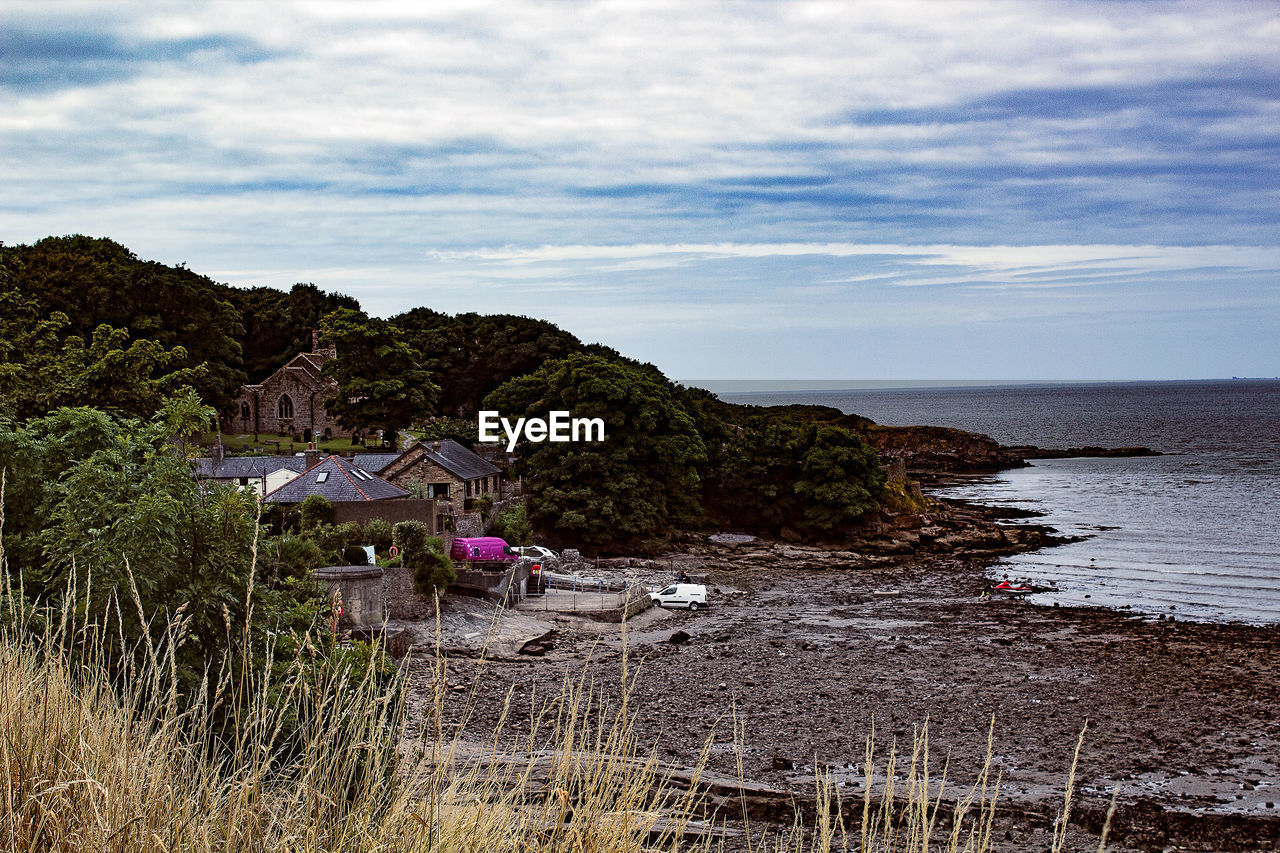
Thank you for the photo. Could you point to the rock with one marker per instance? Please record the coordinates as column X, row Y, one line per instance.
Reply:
column 571, row 555
column 781, row 763
column 679, row 637
column 790, row 534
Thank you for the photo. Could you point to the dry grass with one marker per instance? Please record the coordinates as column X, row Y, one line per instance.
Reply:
column 91, row 766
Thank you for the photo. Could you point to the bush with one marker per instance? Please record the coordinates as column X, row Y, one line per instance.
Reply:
column 315, row 510
column 436, row 571
column 484, row 504
column 411, row 538
column 378, row 534
column 351, row 532
column 512, row 524
column 290, row 556
column 354, row 555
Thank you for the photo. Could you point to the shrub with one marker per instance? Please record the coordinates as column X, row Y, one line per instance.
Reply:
column 512, row 524
column 351, row 532
column 484, row 504
column 290, row 556
column 435, row 571
column 411, row 538
column 354, row 555
column 315, row 510
column 378, row 534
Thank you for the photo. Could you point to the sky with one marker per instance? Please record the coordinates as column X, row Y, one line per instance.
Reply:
column 730, row 190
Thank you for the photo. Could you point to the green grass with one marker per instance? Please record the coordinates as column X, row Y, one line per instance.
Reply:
column 245, row 444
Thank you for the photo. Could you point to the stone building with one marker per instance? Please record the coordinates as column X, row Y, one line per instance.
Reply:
column 289, row 401
column 446, row 469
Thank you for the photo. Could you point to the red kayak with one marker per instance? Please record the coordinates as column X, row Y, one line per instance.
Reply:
column 1010, row 589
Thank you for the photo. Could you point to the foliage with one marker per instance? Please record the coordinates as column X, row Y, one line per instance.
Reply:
column 44, row 365
column 461, row 430
column 101, row 297
column 354, row 555
column 484, row 505
column 771, row 472
column 411, row 538
column 424, row 554
column 289, row 556
column 512, row 524
column 116, row 523
column 380, row 380
column 637, row 484
column 278, row 325
column 472, row 354
column 377, row 532
column 315, row 510
column 435, row 570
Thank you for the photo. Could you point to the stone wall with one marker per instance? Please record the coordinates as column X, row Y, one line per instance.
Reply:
column 361, row 591
column 406, row 509
column 403, row 599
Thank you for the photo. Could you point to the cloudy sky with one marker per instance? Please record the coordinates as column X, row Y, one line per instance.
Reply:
column 747, row 190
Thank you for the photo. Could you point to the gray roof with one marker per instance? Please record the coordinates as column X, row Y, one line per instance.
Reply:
column 456, row 459
column 339, row 480
column 374, row 462
column 234, row 467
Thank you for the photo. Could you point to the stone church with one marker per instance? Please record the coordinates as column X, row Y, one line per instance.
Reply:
column 289, row 401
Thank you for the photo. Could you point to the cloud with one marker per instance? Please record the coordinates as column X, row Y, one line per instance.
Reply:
column 487, row 155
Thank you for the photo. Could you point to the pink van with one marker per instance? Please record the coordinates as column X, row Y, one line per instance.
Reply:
column 480, row 549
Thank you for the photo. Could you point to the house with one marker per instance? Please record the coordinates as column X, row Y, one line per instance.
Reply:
column 356, row 494
column 338, row 480
column 290, row 401
column 446, row 470
column 258, row 474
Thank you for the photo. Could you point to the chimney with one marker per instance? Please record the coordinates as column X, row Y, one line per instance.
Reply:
column 312, row 455
column 315, row 340
column 217, row 454
column 435, row 445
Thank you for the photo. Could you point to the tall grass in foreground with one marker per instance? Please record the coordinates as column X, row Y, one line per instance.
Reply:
column 90, row 765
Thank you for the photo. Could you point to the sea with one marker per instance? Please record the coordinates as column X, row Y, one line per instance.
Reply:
column 1193, row 534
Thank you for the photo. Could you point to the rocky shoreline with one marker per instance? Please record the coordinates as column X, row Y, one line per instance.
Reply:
column 813, row 648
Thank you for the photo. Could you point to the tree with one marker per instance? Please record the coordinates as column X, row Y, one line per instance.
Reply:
column 625, row 492
column 95, row 282
column 381, row 384
column 104, row 520
column 424, row 555
column 472, row 354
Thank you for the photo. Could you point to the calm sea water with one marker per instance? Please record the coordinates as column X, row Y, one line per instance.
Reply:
column 1194, row 534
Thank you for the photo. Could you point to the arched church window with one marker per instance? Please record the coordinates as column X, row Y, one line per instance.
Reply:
column 244, row 410
column 285, row 408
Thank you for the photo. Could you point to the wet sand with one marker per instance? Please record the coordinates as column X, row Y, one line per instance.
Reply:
column 1184, row 717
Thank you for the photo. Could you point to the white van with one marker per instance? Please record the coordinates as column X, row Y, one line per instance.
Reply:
column 690, row 595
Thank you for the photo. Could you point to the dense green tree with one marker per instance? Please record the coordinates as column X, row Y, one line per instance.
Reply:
column 381, row 382
column 278, row 325
column 770, row 472
column 472, row 354
column 96, row 282
column 44, row 365
column 626, row 491
column 104, row 520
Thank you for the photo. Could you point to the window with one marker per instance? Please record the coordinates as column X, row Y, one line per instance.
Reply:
column 437, row 490
column 322, row 476
column 285, row 409
column 244, row 411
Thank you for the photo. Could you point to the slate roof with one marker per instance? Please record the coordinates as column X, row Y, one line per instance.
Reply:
column 337, row 479
column 456, row 459
column 374, row 462
column 234, row 467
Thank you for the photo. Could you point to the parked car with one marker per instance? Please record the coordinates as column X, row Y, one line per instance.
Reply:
column 690, row 595
column 537, row 552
